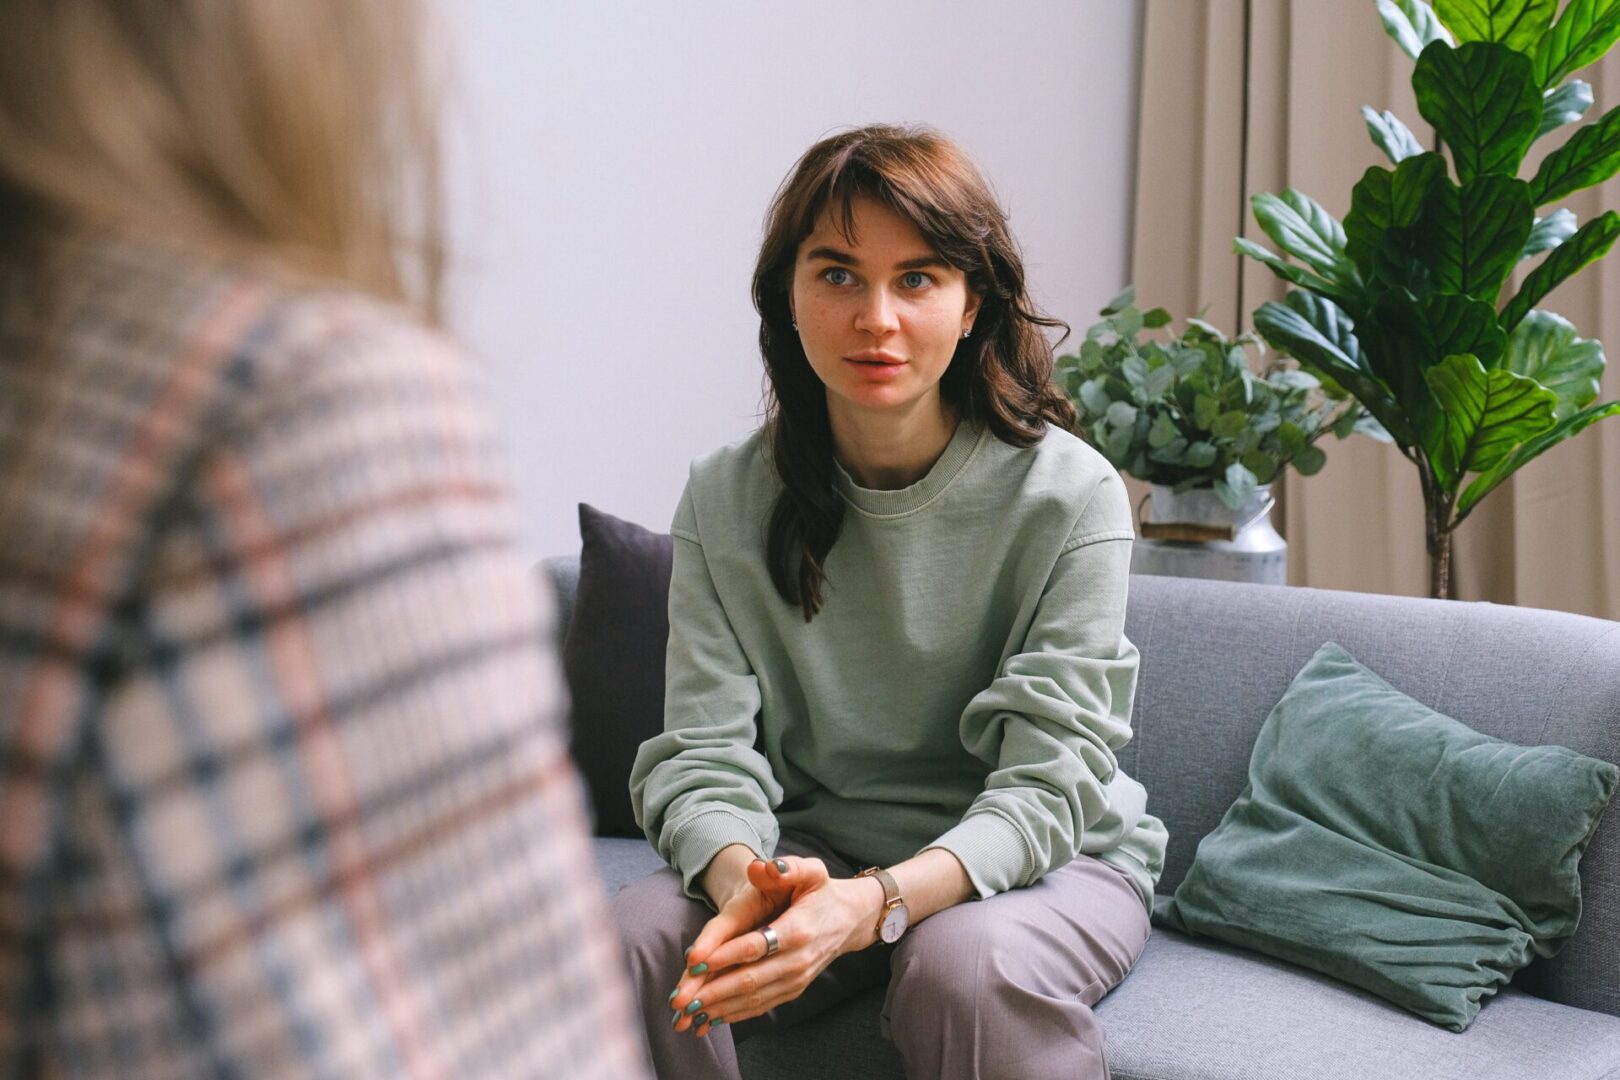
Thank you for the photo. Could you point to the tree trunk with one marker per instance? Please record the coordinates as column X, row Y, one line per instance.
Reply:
column 1437, row 528
column 1440, row 566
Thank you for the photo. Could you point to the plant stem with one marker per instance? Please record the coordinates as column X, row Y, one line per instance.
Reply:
column 1438, row 527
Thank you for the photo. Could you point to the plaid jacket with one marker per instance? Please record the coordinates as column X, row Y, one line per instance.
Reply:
column 282, row 783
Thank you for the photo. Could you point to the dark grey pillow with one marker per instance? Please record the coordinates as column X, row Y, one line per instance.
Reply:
column 613, row 657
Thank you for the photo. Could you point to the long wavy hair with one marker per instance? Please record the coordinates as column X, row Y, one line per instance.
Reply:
column 1001, row 375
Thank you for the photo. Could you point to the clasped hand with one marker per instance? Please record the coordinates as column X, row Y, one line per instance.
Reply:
column 816, row 918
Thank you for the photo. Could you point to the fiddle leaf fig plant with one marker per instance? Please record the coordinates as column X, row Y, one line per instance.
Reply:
column 1404, row 305
column 1189, row 412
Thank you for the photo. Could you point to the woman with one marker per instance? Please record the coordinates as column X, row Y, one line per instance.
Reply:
column 896, row 643
column 282, row 790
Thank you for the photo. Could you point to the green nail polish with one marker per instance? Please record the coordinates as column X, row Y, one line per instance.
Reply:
column 673, row 992
column 697, row 1004
column 676, row 1021
column 781, row 866
column 699, row 969
column 717, row 1021
column 700, row 1018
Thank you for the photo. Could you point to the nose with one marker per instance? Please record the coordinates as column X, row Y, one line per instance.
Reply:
column 877, row 315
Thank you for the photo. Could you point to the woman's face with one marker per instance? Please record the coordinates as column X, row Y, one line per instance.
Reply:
column 879, row 312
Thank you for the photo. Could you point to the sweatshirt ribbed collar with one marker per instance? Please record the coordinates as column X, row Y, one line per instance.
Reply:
column 964, row 441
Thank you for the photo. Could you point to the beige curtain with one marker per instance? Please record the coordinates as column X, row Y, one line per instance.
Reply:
column 1244, row 96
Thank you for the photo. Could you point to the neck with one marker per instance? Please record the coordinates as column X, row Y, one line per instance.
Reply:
column 888, row 451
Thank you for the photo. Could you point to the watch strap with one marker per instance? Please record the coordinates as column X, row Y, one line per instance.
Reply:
column 891, row 894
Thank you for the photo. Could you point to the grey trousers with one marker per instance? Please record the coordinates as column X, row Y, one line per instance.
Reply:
column 1001, row 987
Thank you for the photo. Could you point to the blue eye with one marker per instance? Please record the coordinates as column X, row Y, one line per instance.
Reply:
column 915, row 280
column 836, row 275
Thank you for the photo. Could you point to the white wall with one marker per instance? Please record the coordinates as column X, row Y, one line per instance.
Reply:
column 610, row 166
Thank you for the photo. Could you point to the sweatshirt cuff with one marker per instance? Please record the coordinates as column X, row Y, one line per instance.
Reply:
column 992, row 850
column 697, row 840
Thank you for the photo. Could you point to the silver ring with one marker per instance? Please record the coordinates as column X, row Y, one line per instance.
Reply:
column 771, row 942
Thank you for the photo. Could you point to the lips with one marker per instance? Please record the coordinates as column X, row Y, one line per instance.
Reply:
column 876, row 359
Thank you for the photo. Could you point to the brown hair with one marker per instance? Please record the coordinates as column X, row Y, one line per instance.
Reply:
column 1000, row 376
column 296, row 134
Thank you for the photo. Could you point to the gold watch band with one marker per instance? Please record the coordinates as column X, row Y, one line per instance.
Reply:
column 891, row 894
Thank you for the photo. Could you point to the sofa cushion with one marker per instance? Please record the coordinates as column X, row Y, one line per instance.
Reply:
column 1196, row 1010
column 1388, row 845
column 613, row 657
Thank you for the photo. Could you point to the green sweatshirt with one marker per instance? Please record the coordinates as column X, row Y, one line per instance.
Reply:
column 965, row 686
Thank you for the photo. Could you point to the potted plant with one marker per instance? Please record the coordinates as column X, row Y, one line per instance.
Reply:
column 1402, row 305
column 1189, row 416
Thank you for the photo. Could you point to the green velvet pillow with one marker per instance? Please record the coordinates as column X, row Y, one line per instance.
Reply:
column 1394, row 848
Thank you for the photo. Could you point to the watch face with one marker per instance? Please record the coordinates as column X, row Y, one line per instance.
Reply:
column 894, row 924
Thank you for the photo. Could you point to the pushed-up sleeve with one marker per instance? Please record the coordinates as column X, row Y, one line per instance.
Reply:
column 702, row 785
column 1051, row 721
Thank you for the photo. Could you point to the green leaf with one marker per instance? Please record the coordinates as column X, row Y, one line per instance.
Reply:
column 1298, row 224
column 1116, row 445
column 1229, row 424
column 1383, row 200
column 1319, row 336
column 1548, row 232
column 1591, row 241
column 1294, row 275
column 1201, row 455
column 1173, row 452
column 1239, row 483
column 1262, row 464
column 1156, row 318
column 1121, row 414
column 1518, row 24
column 1564, row 105
column 1534, row 448
column 1483, row 415
column 1158, row 381
column 1163, row 432
column 1483, row 101
column 1120, row 302
column 1094, row 397
column 1591, row 156
column 1309, row 461
column 1472, row 235
column 1394, row 138
column 1205, row 410
column 1583, row 33
column 1545, row 347
column 1412, row 23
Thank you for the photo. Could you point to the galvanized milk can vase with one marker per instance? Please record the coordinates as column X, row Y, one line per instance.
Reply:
column 1190, row 416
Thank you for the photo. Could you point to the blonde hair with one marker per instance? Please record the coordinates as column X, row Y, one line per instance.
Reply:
column 297, row 134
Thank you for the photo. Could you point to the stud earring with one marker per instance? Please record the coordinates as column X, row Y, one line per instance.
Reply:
column 966, row 330
column 795, row 323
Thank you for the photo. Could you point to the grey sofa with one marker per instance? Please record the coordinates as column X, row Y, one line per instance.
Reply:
column 1215, row 658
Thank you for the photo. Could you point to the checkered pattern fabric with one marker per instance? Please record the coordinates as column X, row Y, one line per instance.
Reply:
column 282, row 782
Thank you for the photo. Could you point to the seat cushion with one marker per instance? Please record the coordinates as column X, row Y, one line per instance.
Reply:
column 1202, row 1010
column 1196, row 1011
column 620, row 860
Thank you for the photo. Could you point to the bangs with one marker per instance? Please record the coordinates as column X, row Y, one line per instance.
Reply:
column 848, row 177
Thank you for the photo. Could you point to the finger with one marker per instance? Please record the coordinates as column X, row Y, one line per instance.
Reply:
column 739, row 1013
column 740, row 915
column 744, row 949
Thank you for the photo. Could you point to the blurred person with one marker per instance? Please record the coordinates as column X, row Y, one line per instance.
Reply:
column 283, row 790
column 897, row 677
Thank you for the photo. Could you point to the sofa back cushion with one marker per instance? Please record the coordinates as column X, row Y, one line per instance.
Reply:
column 1216, row 656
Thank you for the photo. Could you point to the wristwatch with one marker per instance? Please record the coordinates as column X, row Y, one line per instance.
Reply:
column 894, row 918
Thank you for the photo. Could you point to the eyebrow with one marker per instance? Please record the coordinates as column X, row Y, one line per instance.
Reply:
column 843, row 258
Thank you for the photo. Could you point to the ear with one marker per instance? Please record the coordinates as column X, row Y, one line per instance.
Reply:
column 971, row 311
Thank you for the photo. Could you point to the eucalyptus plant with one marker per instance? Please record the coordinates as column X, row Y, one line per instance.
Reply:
column 1189, row 412
column 1402, row 305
